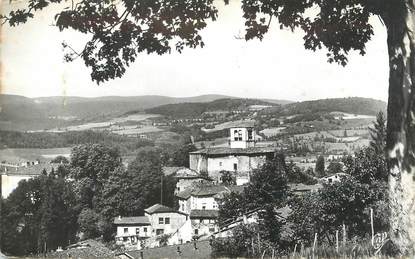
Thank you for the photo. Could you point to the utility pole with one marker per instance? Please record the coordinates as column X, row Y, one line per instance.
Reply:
column 161, row 189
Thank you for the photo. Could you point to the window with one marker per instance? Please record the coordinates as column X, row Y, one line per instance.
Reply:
column 159, row 231
column 196, row 231
column 250, row 136
column 240, row 135
column 235, row 135
column 178, row 189
column 125, row 239
column 145, row 229
column 161, row 220
column 203, row 206
column 182, row 207
column 166, row 221
column 235, row 166
column 220, row 163
column 125, row 230
column 137, row 231
column 211, row 230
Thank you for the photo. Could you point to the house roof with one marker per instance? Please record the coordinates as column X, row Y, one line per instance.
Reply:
column 140, row 220
column 158, row 208
column 218, row 151
column 85, row 249
column 31, row 170
column 169, row 170
column 210, row 214
column 208, row 190
column 185, row 194
column 186, row 173
column 300, row 187
column 181, row 172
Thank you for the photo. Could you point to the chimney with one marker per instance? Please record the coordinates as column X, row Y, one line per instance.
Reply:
column 119, row 217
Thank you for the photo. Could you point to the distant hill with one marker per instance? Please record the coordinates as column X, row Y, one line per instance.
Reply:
column 353, row 105
column 22, row 113
column 187, row 110
column 91, row 107
column 16, row 108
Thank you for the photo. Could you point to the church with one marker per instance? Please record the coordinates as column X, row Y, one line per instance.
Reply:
column 241, row 156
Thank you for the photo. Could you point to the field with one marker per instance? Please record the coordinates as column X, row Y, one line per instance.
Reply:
column 135, row 130
column 349, row 116
column 225, row 125
column 16, row 155
column 137, row 118
column 268, row 132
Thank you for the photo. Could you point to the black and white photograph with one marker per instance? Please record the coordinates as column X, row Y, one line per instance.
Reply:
column 135, row 129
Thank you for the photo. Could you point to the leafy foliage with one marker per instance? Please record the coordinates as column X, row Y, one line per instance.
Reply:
column 144, row 176
column 297, row 175
column 14, row 139
column 378, row 134
column 346, row 202
column 40, row 211
column 266, row 192
column 121, row 31
column 227, row 177
column 334, row 168
column 320, row 167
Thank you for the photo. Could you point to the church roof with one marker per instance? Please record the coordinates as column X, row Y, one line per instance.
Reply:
column 243, row 124
column 235, row 151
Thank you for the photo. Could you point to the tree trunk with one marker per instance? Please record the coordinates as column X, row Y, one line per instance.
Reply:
column 400, row 147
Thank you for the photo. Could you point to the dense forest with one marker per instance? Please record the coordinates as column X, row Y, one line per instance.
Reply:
column 353, row 105
column 13, row 139
column 190, row 110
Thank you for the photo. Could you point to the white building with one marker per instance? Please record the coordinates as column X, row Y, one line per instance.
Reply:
column 164, row 220
column 204, row 197
column 141, row 230
column 12, row 175
column 241, row 156
column 204, row 222
column 131, row 231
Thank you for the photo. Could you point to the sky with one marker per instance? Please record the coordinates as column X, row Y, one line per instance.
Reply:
column 278, row 67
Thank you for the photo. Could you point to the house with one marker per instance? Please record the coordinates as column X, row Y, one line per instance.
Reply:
column 201, row 204
column 204, row 222
column 132, row 230
column 204, row 197
column 12, row 175
column 335, row 178
column 185, row 177
column 300, row 188
column 252, row 217
column 164, row 220
column 248, row 218
column 241, row 156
